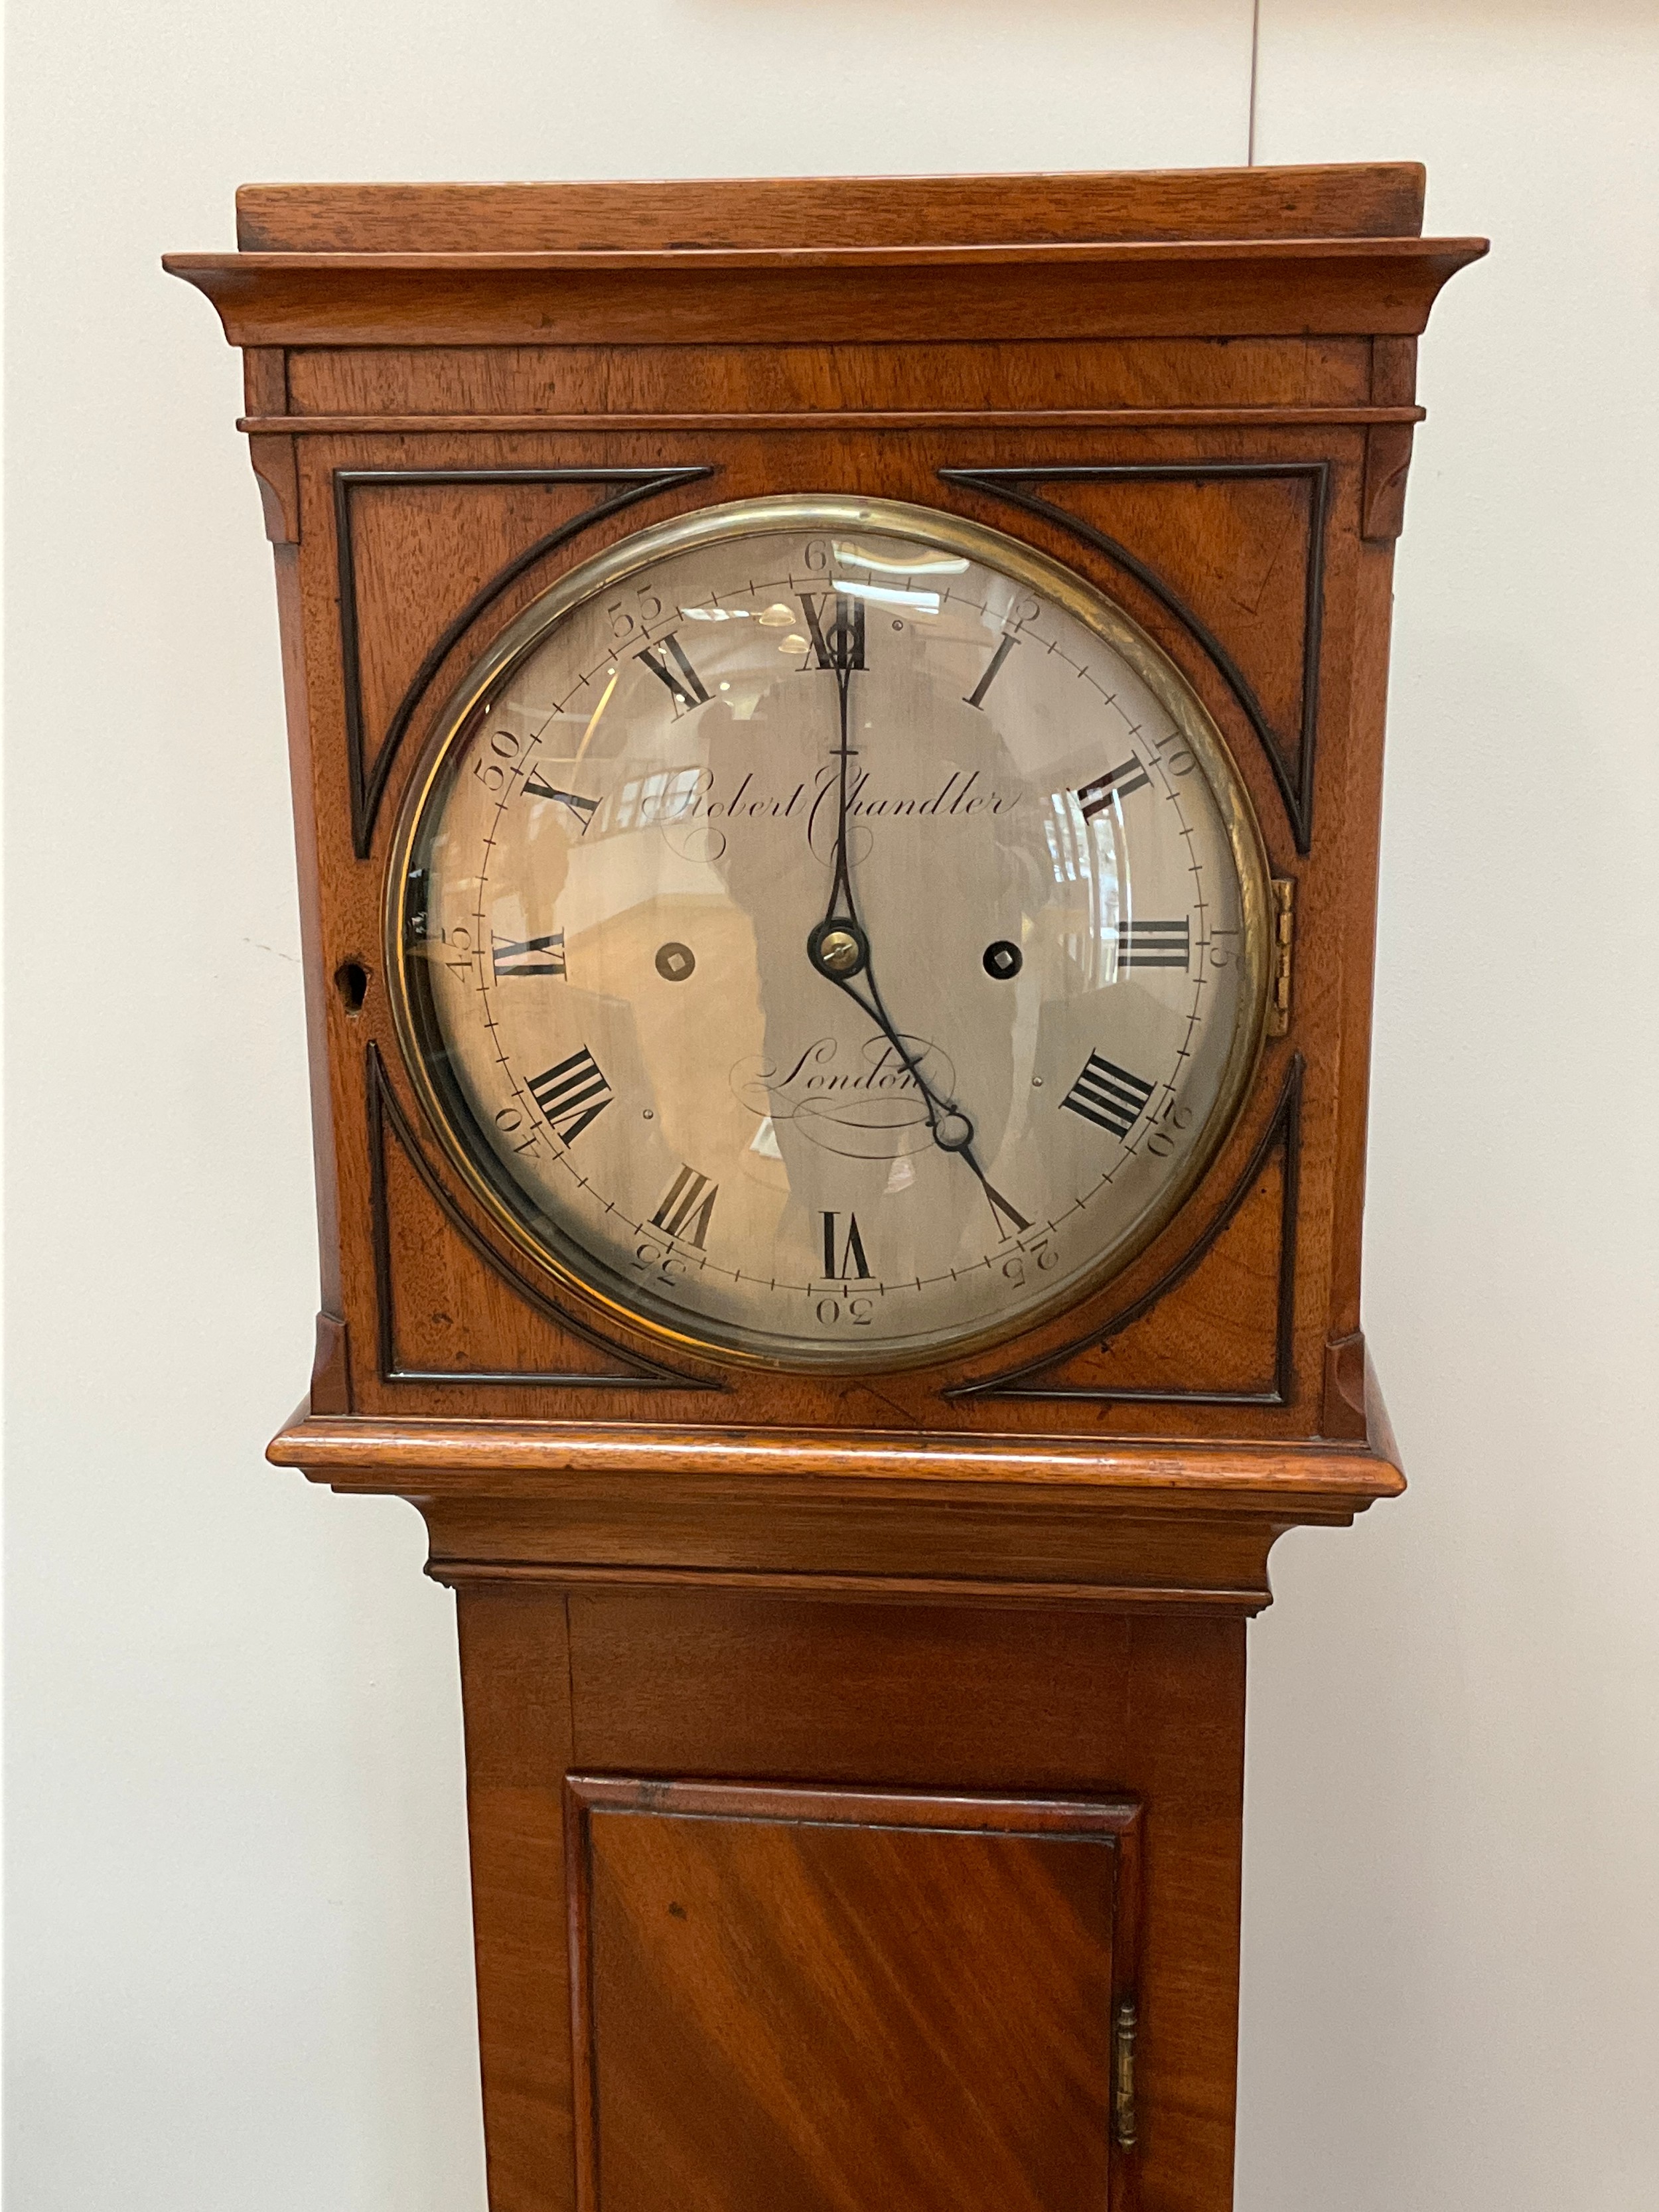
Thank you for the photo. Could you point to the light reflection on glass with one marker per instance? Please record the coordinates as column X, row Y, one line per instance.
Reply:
column 922, row 602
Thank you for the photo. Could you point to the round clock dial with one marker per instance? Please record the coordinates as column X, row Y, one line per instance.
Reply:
column 828, row 931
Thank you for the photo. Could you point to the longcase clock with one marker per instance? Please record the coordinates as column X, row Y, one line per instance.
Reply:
column 836, row 731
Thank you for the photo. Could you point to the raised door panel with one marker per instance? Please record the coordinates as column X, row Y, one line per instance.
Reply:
column 1016, row 1700
column 829, row 2001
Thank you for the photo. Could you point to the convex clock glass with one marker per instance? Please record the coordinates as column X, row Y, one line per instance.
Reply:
column 828, row 931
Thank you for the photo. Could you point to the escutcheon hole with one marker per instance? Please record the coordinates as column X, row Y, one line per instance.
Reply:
column 352, row 981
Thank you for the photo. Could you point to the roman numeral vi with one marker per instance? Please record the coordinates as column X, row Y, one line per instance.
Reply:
column 852, row 1261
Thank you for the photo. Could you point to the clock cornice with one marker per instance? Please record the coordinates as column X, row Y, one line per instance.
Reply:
column 797, row 294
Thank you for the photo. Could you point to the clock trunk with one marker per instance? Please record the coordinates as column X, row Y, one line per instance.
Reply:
column 854, row 1753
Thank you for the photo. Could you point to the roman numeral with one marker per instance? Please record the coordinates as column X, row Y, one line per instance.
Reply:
column 686, row 1207
column 536, row 955
column 1154, row 944
column 1117, row 783
column 1108, row 1096
column 583, row 809
column 1010, row 1221
column 841, row 645
column 571, row 1095
column 852, row 1261
column 684, row 685
column 977, row 696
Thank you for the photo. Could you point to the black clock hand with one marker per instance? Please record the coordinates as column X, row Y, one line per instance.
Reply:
column 952, row 1129
column 839, row 948
column 840, row 652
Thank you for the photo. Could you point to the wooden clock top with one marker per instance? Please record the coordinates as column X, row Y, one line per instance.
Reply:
column 1353, row 200
column 1288, row 250
column 1195, row 387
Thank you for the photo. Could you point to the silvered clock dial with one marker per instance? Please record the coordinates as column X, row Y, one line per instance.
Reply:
column 828, row 931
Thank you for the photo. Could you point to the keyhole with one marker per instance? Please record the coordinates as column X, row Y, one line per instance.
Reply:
column 352, row 981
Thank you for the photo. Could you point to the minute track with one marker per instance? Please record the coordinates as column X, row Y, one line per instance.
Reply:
column 926, row 825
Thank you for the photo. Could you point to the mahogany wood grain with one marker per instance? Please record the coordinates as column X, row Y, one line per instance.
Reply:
column 335, row 1396
column 515, row 1679
column 341, row 1450
column 738, row 1605
column 1357, row 200
column 749, row 383
column 987, row 1700
column 1197, row 534
column 832, row 1998
column 1229, row 287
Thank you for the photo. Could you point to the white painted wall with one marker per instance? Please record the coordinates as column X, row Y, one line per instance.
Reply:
column 239, row 1955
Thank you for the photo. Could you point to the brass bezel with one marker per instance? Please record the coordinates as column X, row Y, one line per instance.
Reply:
column 944, row 533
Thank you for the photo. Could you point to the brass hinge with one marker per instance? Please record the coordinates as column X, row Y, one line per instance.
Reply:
column 1123, row 2074
column 1279, row 988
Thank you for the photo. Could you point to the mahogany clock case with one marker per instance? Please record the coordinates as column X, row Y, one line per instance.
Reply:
column 854, row 1763
column 456, row 394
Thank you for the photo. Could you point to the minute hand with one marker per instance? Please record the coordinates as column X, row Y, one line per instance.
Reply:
column 839, row 948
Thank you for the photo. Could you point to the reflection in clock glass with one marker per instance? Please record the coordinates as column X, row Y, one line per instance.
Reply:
column 832, row 939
